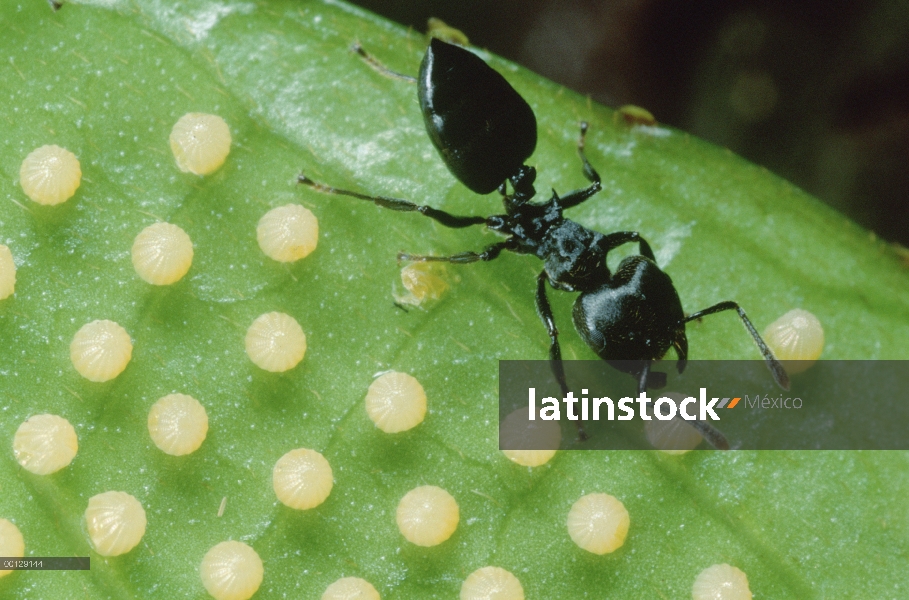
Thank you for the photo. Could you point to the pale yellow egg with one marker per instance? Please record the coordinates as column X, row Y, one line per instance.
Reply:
column 288, row 233
column 200, row 143
column 302, row 479
column 721, row 582
column 598, row 523
column 177, row 424
column 7, row 273
column 44, row 444
column 115, row 522
column 427, row 515
column 100, row 350
column 351, row 588
column 12, row 544
column 162, row 254
column 518, row 431
column 491, row 583
column 231, row 571
column 50, row 175
column 796, row 339
column 275, row 342
column 396, row 402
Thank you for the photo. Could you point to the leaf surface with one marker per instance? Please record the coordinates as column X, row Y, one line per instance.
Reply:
column 108, row 80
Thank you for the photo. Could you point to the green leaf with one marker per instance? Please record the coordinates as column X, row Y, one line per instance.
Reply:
column 108, row 79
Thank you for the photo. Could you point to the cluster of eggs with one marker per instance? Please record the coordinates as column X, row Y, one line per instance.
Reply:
column 302, row 479
column 162, row 254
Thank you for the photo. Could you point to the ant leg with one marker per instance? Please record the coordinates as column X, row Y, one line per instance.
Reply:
column 680, row 343
column 776, row 369
column 491, row 252
column 589, row 172
column 614, row 240
column 544, row 310
column 576, row 197
column 446, row 219
column 370, row 60
column 710, row 433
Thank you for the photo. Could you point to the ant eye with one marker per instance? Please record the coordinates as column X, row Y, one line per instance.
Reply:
column 100, row 350
column 12, row 544
column 427, row 515
column 349, row 588
column 302, row 479
column 288, row 233
column 115, row 522
column 50, row 175
column 797, row 340
column 598, row 523
column 200, row 143
column 162, row 254
column 721, row 581
column 7, row 273
column 231, row 571
column 396, row 402
column 178, row 424
column 491, row 582
column 44, row 444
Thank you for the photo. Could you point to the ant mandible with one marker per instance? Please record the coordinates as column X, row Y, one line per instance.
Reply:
column 485, row 131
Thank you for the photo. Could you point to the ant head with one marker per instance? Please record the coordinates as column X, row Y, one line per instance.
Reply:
column 522, row 182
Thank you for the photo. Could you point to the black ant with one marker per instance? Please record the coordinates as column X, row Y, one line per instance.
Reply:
column 484, row 131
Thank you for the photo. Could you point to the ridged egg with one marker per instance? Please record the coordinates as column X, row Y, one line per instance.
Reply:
column 50, row 175
column 598, row 523
column 396, row 402
column 100, row 350
column 351, row 588
column 115, row 522
column 427, row 515
column 275, row 342
column 177, row 424
column 231, row 571
column 721, row 582
column 162, row 254
column 302, row 479
column 288, row 233
column 796, row 339
column 491, row 583
column 44, row 444
column 200, row 143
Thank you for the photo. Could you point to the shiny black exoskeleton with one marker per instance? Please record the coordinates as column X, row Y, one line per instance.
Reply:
column 484, row 131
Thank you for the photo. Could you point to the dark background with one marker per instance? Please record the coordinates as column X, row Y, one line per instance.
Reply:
column 816, row 91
